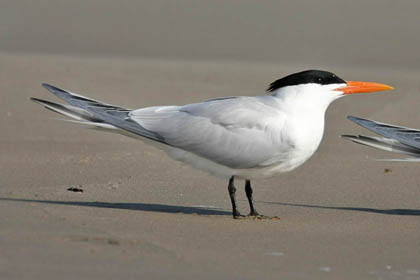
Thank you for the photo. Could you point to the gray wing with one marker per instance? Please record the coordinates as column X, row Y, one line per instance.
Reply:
column 386, row 144
column 95, row 112
column 238, row 132
column 407, row 136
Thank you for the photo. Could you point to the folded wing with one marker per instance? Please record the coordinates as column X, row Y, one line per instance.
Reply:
column 238, row 132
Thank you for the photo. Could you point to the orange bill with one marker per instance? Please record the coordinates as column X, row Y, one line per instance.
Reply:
column 363, row 87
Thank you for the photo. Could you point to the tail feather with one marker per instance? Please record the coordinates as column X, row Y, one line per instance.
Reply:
column 85, row 103
column 66, row 110
column 94, row 125
column 77, row 115
column 96, row 114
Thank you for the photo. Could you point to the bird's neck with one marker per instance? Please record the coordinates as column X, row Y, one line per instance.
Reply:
column 305, row 117
column 301, row 103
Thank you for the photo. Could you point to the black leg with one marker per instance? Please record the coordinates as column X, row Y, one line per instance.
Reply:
column 232, row 191
column 248, row 191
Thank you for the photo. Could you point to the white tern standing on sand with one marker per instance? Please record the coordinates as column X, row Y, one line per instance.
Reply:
column 233, row 137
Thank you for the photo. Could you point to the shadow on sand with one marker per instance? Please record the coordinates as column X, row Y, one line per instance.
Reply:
column 163, row 208
column 150, row 207
column 402, row 212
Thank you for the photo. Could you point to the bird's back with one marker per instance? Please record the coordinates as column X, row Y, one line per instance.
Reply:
column 238, row 132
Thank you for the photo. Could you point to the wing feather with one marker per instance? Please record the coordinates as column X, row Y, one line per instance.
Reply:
column 237, row 132
column 386, row 144
column 407, row 136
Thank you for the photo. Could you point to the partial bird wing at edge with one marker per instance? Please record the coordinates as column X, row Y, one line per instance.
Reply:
column 385, row 144
column 404, row 135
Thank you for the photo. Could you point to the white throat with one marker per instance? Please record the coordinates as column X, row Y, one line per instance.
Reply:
column 308, row 98
column 305, row 106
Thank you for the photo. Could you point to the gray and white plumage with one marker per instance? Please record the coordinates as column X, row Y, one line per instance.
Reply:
column 395, row 139
column 246, row 137
column 235, row 134
column 242, row 137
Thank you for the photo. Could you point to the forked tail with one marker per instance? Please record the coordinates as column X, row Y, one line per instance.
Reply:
column 95, row 114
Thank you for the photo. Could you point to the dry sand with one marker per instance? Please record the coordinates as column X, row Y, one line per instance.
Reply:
column 144, row 216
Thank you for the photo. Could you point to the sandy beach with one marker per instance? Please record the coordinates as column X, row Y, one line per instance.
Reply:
column 141, row 215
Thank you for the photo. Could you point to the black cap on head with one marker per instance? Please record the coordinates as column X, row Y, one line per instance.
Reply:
column 306, row 77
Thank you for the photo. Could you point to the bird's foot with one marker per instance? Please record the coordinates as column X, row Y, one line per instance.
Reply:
column 253, row 213
column 237, row 215
column 255, row 216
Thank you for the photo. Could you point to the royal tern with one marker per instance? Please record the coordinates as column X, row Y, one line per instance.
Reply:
column 233, row 137
column 395, row 139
